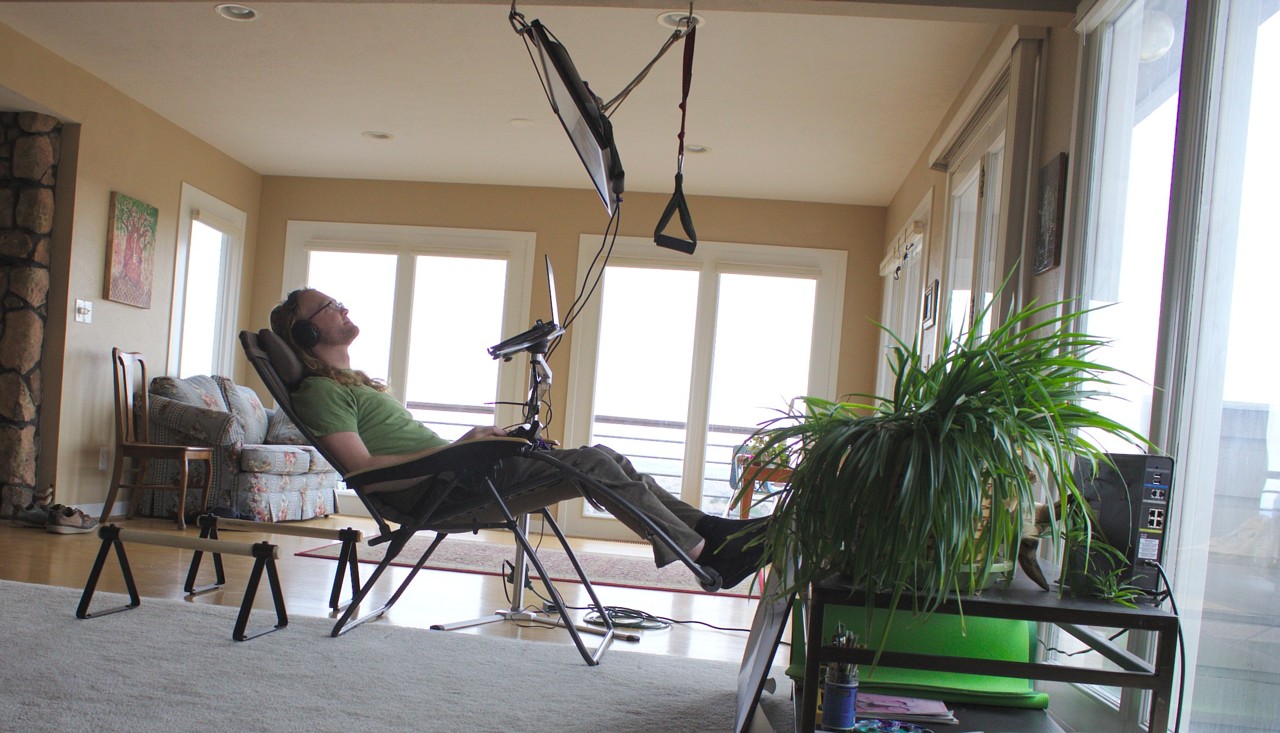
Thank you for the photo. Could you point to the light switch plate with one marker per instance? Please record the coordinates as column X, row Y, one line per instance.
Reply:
column 84, row 311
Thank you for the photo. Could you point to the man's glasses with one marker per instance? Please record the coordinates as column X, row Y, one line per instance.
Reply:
column 330, row 304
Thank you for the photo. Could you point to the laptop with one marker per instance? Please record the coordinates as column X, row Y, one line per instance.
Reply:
column 535, row 338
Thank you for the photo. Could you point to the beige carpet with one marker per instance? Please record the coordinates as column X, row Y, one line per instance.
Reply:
column 487, row 558
column 172, row 666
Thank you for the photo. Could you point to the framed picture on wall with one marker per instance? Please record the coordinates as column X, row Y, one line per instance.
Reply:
column 131, row 250
column 929, row 306
column 1053, row 198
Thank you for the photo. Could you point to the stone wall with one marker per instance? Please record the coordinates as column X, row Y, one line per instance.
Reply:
column 29, row 148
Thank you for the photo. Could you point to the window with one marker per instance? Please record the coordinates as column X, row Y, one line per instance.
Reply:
column 1227, row 433
column 1130, row 176
column 206, row 288
column 973, row 251
column 1130, row 93
column 404, row 287
column 1187, row 305
column 677, row 359
column 902, row 271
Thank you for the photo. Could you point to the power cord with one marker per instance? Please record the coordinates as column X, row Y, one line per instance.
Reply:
column 620, row 616
column 1182, row 647
column 1066, row 653
column 631, row 618
column 585, row 291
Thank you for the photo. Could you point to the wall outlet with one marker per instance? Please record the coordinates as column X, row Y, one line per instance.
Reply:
column 104, row 458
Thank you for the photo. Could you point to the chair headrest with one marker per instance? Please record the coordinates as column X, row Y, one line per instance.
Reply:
column 286, row 363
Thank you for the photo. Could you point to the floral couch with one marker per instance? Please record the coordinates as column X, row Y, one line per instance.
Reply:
column 263, row 468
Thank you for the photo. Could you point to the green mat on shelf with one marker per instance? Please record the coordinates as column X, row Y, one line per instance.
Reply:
column 946, row 634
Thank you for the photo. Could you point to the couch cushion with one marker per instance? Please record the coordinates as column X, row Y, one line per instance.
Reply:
column 244, row 403
column 318, row 462
column 281, row 460
column 200, row 390
column 282, row 431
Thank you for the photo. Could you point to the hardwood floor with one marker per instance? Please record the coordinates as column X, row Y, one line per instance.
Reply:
column 35, row 556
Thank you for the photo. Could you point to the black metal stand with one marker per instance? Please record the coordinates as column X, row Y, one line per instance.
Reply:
column 208, row 530
column 264, row 555
column 1016, row 600
column 347, row 558
column 110, row 535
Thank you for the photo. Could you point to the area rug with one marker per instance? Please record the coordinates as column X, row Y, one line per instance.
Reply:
column 172, row 665
column 487, row 558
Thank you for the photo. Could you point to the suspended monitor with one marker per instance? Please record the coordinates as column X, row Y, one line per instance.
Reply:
column 580, row 112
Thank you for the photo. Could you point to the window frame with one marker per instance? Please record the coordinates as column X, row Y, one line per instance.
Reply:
column 197, row 205
column 407, row 242
column 903, row 296
column 1186, row 318
column 711, row 259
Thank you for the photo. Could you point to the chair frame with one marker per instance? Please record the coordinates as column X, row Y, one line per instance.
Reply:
column 466, row 470
column 133, row 441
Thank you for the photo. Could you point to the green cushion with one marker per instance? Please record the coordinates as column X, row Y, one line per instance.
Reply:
column 946, row 634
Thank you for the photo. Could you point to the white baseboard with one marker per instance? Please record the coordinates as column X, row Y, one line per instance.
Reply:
column 349, row 504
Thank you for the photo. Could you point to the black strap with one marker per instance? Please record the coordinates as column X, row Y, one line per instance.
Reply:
column 678, row 202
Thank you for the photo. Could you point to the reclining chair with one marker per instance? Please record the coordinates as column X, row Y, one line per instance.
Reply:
column 453, row 482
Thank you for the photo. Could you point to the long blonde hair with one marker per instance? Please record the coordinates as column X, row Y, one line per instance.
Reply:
column 283, row 318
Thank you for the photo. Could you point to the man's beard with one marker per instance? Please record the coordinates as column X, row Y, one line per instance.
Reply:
column 343, row 336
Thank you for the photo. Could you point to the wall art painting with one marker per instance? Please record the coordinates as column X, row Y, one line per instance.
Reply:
column 131, row 234
column 1053, row 197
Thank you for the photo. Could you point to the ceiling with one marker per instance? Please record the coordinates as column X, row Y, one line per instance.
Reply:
column 808, row 101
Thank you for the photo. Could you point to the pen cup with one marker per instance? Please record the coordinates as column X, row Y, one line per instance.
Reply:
column 839, row 705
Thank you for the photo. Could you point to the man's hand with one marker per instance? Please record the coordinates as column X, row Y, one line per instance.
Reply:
column 482, row 431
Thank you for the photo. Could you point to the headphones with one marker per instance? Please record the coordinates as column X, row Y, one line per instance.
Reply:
column 304, row 333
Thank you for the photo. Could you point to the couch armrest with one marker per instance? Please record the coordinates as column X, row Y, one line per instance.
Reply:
column 178, row 423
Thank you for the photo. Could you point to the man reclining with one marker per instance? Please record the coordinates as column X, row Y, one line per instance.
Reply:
column 359, row 423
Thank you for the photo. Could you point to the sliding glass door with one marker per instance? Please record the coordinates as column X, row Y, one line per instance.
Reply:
column 678, row 359
column 428, row 302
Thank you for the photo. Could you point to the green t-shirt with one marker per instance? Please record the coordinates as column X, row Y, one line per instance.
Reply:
column 384, row 425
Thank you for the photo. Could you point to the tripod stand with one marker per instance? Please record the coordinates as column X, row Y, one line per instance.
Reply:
column 536, row 342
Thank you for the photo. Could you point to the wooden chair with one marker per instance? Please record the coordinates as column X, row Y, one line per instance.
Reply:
column 133, row 440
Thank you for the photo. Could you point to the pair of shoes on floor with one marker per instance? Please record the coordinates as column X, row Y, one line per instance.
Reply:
column 69, row 520
column 32, row 515
column 734, row 547
column 56, row 518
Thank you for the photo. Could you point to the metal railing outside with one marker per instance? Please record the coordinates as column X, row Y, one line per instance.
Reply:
column 655, row 447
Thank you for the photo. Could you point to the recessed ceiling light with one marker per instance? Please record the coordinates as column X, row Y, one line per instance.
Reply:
column 681, row 19
column 696, row 149
column 235, row 11
column 520, row 122
column 377, row 135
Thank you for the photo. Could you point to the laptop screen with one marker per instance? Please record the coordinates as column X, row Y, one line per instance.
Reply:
column 537, row 335
column 551, row 286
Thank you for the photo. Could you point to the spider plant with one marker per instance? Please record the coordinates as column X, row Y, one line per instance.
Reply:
column 1092, row 566
column 912, row 492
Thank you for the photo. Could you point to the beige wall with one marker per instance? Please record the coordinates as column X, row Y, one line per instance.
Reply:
column 1060, row 51
column 1061, row 66
column 559, row 216
column 122, row 146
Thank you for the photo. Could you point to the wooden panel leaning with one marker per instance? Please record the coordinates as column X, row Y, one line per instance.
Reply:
column 264, row 554
column 347, row 560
